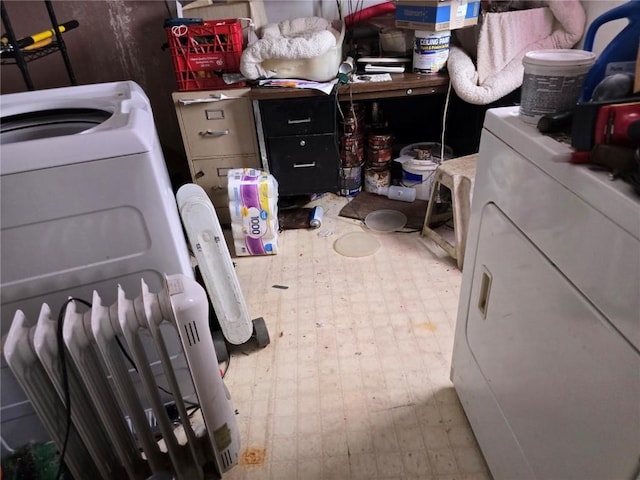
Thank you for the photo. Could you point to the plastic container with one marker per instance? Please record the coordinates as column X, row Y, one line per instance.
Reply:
column 319, row 69
column 419, row 162
column 418, row 174
column 553, row 81
column 201, row 53
column 395, row 192
column 396, row 41
column 430, row 51
column 620, row 55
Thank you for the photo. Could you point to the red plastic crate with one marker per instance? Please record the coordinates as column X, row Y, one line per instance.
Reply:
column 201, row 53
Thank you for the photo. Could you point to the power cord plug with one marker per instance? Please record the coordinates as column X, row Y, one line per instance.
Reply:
column 343, row 79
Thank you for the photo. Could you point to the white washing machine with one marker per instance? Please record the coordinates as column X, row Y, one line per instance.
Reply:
column 86, row 204
column 546, row 356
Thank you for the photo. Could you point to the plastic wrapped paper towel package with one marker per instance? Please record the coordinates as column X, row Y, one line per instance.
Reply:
column 253, row 205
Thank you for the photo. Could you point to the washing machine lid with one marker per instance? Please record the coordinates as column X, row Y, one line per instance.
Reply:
column 61, row 126
column 615, row 199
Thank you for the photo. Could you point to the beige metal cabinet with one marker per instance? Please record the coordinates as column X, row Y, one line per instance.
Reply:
column 218, row 131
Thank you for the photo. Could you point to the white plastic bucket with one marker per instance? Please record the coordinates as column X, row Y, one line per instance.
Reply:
column 419, row 174
column 430, row 51
column 553, row 80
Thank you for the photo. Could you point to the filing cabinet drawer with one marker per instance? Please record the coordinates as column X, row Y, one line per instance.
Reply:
column 304, row 164
column 298, row 116
column 216, row 123
column 211, row 175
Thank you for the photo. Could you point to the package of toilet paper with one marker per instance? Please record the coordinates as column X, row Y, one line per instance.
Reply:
column 253, row 205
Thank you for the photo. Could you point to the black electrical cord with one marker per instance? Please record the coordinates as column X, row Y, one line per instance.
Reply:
column 227, row 367
column 124, row 352
column 193, row 411
column 65, row 378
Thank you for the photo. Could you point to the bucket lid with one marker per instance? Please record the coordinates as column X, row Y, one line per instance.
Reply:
column 559, row 57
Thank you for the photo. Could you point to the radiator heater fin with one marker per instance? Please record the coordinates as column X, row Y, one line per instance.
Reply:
column 20, row 354
column 100, row 346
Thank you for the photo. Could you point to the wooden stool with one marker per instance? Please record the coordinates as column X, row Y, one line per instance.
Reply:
column 457, row 175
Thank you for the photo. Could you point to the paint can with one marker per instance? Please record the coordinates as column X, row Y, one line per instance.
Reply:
column 350, row 181
column 379, row 157
column 376, row 178
column 379, row 140
column 379, row 149
column 352, row 150
column 430, row 51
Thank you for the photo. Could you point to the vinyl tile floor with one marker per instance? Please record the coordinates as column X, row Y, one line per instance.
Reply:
column 355, row 382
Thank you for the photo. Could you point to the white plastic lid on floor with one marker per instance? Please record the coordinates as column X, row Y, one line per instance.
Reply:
column 385, row 221
column 356, row 244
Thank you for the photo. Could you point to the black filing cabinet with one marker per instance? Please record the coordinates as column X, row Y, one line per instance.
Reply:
column 300, row 139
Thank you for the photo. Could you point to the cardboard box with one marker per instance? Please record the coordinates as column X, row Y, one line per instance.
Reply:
column 214, row 10
column 435, row 16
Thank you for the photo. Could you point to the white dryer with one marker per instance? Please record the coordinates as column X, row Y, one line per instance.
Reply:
column 86, row 204
column 546, row 355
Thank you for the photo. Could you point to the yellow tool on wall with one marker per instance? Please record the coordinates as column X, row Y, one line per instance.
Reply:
column 39, row 39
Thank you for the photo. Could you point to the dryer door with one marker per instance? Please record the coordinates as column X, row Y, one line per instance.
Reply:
column 559, row 374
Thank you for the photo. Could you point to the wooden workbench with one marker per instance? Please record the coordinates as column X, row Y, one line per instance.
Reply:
column 401, row 85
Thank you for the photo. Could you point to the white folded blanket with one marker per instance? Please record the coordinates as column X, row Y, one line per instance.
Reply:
column 503, row 40
column 306, row 37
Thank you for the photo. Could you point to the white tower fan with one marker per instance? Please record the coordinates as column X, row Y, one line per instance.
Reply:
column 214, row 260
column 101, row 393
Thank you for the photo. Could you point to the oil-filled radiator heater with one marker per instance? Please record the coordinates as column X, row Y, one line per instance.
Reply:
column 79, row 377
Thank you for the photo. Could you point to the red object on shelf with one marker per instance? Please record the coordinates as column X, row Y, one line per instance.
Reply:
column 202, row 53
column 369, row 12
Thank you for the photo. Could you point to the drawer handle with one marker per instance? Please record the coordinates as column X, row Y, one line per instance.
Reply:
column 214, row 133
column 212, row 98
column 302, row 120
column 304, row 165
